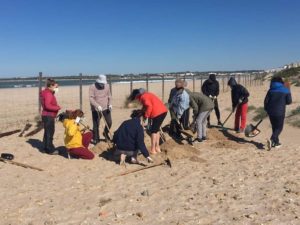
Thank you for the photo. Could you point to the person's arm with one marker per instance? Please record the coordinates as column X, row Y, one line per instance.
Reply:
column 204, row 88
column 48, row 103
column 266, row 101
column 194, row 106
column 217, row 89
column 93, row 97
column 288, row 98
column 140, row 141
column 245, row 92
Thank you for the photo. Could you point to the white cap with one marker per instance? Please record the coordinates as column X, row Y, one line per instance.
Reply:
column 101, row 79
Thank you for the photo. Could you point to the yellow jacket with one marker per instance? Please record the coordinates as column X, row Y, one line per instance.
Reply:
column 73, row 136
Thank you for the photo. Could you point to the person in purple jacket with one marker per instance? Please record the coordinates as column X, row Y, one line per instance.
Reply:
column 49, row 112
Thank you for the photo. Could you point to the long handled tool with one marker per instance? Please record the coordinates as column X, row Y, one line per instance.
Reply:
column 19, row 164
column 166, row 162
column 26, row 128
column 252, row 130
column 9, row 133
column 101, row 113
column 227, row 119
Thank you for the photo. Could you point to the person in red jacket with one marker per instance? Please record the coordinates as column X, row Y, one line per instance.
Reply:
column 154, row 110
column 49, row 112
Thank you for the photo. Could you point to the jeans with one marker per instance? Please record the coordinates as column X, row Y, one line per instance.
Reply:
column 49, row 129
column 201, row 124
column 277, row 126
column 96, row 121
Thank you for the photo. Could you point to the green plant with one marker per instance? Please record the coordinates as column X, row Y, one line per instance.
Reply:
column 260, row 114
column 295, row 111
column 296, row 123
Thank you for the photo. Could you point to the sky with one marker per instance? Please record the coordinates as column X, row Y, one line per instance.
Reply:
column 67, row 37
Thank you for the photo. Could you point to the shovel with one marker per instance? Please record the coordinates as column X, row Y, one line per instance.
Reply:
column 227, row 119
column 252, row 130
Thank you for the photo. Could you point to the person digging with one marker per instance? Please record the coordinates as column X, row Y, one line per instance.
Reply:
column 129, row 139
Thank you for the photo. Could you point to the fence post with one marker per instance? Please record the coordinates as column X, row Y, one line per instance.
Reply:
column 194, row 83
column 40, row 78
column 131, row 85
column 110, row 85
column 201, row 78
column 147, row 82
column 80, row 91
column 223, row 83
column 163, row 87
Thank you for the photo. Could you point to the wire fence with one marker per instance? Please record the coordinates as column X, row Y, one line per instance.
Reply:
column 22, row 103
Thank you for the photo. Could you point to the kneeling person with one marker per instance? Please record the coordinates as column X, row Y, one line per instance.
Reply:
column 129, row 138
column 76, row 140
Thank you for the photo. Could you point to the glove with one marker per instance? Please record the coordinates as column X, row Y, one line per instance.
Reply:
column 110, row 107
column 149, row 160
column 215, row 97
column 210, row 96
column 77, row 120
column 99, row 108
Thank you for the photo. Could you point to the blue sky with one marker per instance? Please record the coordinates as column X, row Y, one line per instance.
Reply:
column 66, row 37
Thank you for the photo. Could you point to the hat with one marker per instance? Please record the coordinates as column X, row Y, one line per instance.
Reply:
column 101, row 79
column 135, row 93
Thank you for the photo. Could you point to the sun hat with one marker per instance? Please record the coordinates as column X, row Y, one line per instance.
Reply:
column 101, row 79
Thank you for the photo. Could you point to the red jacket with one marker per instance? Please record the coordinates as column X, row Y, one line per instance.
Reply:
column 49, row 103
column 153, row 105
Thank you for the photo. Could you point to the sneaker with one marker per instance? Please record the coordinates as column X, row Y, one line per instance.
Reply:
column 278, row 145
column 269, row 144
column 198, row 140
column 219, row 123
column 204, row 139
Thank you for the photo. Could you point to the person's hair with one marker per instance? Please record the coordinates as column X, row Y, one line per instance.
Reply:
column 72, row 114
column 50, row 82
column 277, row 79
column 137, row 113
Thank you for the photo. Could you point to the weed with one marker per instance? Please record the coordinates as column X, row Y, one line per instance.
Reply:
column 260, row 114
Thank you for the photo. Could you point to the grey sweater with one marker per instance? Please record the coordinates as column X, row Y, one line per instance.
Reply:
column 100, row 97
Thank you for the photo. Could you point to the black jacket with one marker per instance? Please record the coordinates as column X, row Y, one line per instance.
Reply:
column 211, row 86
column 276, row 99
column 239, row 94
column 130, row 137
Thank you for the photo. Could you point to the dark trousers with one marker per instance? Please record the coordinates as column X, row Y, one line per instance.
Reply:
column 184, row 121
column 49, row 129
column 96, row 121
column 83, row 152
column 217, row 111
column 277, row 126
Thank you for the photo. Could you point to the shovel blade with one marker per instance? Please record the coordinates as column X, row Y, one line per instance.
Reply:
column 251, row 131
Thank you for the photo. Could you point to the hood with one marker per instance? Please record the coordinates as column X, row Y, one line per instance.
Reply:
column 232, row 82
column 212, row 77
column 276, row 85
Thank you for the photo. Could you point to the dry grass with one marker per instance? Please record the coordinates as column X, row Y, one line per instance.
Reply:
column 260, row 114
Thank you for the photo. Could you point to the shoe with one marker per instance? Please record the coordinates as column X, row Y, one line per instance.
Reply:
column 204, row 139
column 55, row 152
column 269, row 144
column 133, row 160
column 198, row 140
column 178, row 137
column 219, row 123
column 240, row 131
column 278, row 145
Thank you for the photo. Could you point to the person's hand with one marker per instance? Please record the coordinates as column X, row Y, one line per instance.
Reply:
column 110, row 107
column 215, row 97
column 77, row 120
column 99, row 108
column 149, row 159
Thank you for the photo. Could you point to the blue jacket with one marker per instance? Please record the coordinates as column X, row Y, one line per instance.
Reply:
column 180, row 102
column 130, row 137
column 276, row 99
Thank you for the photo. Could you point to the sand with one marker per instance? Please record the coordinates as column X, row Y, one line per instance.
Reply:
column 229, row 179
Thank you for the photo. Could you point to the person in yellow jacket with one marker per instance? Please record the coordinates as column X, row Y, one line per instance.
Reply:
column 76, row 140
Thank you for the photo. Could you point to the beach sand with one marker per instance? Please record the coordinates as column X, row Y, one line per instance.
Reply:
column 229, row 179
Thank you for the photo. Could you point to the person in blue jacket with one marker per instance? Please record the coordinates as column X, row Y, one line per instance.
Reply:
column 129, row 139
column 275, row 103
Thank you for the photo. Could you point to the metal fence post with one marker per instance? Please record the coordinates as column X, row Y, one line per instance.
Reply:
column 110, row 85
column 131, row 85
column 193, row 83
column 80, row 91
column 40, row 78
column 147, row 82
column 163, row 87
column 223, row 83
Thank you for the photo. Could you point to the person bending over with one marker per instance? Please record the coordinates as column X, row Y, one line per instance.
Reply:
column 155, row 110
column 76, row 140
column 239, row 99
column 129, row 139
